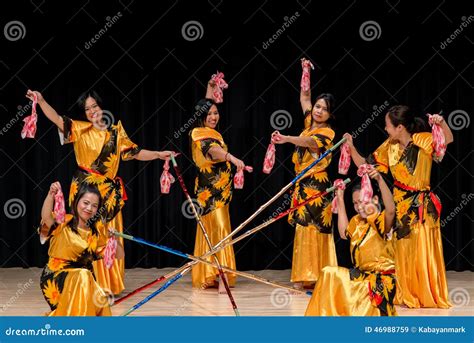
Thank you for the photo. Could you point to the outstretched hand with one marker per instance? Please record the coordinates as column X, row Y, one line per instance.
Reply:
column 30, row 95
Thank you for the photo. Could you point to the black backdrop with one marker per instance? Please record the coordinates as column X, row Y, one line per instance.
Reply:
column 150, row 76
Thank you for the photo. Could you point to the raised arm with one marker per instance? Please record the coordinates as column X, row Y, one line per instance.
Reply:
column 47, row 209
column 356, row 157
column 49, row 112
column 342, row 221
column 387, row 198
column 448, row 135
column 305, row 95
column 210, row 89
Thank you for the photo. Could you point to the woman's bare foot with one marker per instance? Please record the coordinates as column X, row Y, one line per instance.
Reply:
column 298, row 285
column 209, row 284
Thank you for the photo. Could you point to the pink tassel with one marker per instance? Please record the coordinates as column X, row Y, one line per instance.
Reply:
column 366, row 191
column 59, row 207
column 338, row 184
column 239, row 177
column 166, row 178
column 305, row 77
column 110, row 251
column 344, row 159
column 29, row 128
column 218, row 78
column 269, row 160
column 439, row 141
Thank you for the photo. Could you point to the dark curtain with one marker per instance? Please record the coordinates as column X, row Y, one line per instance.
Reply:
column 150, row 77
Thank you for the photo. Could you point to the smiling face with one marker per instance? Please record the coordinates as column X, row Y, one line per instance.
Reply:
column 212, row 118
column 87, row 206
column 364, row 209
column 93, row 110
column 320, row 112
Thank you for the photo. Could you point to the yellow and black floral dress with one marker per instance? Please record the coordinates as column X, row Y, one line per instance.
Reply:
column 367, row 289
column 421, row 272
column 314, row 244
column 98, row 154
column 213, row 190
column 67, row 282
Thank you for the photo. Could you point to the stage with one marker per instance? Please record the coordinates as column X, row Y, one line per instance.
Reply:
column 21, row 296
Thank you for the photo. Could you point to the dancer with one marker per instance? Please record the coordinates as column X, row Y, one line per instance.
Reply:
column 67, row 282
column 98, row 148
column 408, row 154
column 213, row 189
column 314, row 244
column 367, row 289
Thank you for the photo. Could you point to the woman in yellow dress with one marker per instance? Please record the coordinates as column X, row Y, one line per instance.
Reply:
column 367, row 289
column 67, row 282
column 213, row 190
column 99, row 146
column 314, row 244
column 408, row 154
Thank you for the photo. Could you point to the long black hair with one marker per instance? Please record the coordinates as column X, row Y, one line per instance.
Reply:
column 200, row 113
column 330, row 104
column 81, row 101
column 83, row 189
column 403, row 115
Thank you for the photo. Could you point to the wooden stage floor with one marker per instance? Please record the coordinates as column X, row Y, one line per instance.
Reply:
column 20, row 295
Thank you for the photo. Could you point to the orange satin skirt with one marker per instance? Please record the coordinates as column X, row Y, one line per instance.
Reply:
column 421, row 272
column 312, row 251
column 336, row 294
column 217, row 224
